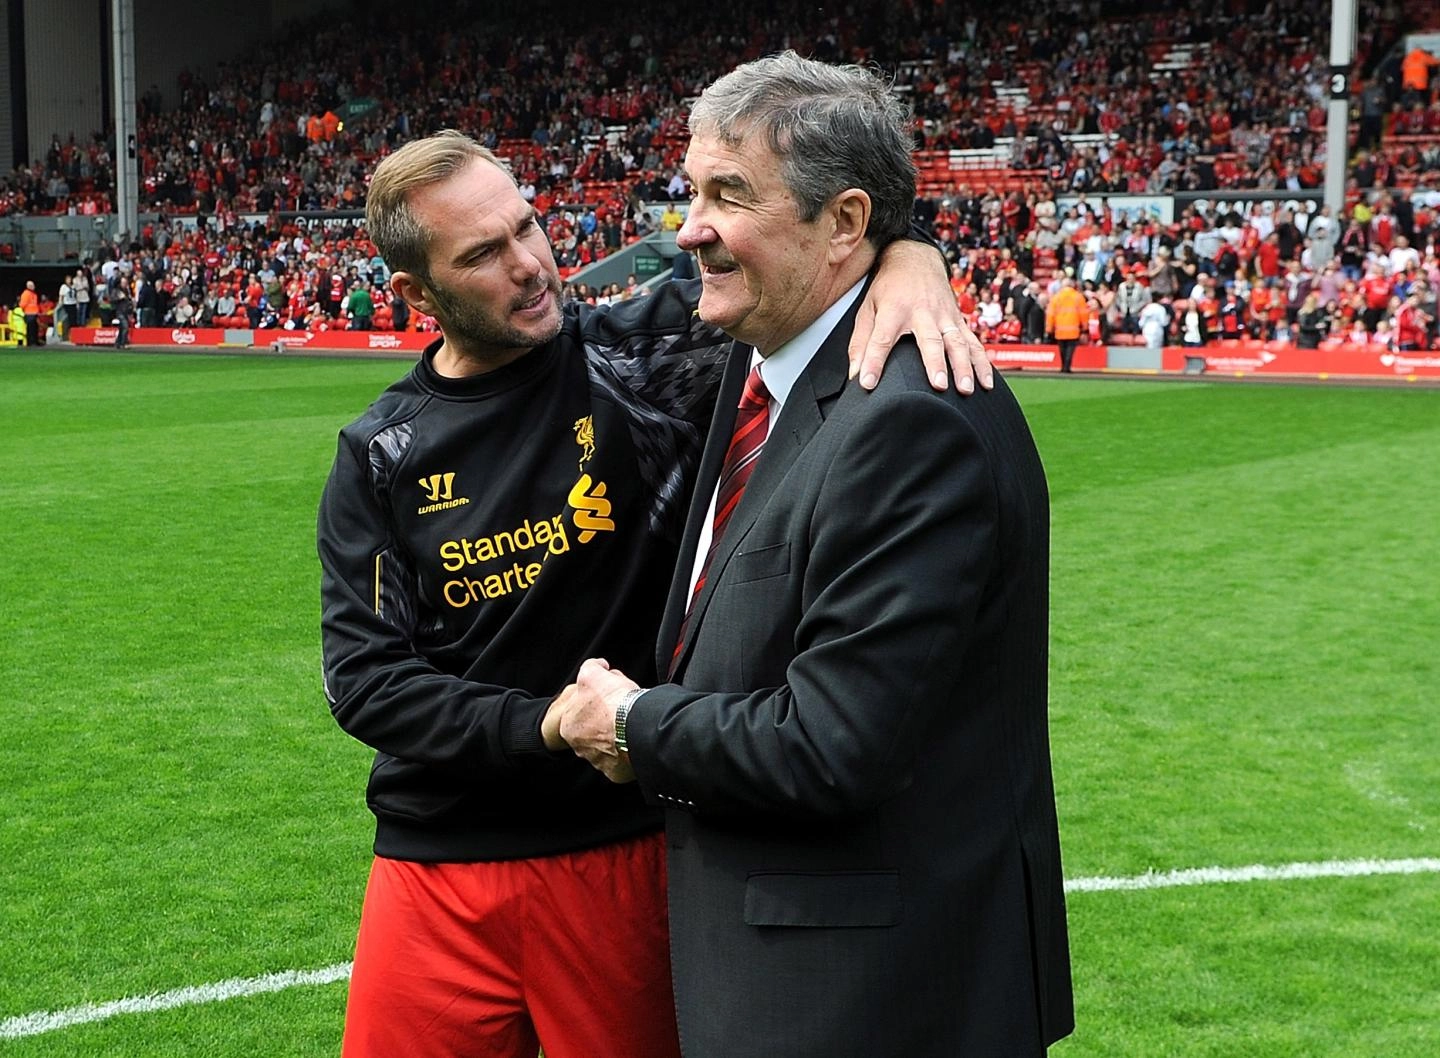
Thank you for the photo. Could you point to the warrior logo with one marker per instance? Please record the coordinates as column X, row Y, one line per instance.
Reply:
column 438, row 486
column 437, row 490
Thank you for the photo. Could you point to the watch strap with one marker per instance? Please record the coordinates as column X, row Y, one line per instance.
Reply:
column 622, row 715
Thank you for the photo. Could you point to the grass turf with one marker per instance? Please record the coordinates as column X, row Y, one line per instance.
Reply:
column 1245, row 596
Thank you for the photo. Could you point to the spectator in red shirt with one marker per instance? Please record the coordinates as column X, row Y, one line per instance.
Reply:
column 1232, row 314
column 1382, row 227
column 1412, row 325
column 1267, row 257
column 1263, row 300
column 968, row 301
column 1009, row 329
column 1376, row 289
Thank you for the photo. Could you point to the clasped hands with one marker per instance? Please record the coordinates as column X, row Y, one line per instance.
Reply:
column 582, row 718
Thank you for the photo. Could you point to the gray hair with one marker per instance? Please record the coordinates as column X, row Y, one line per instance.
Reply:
column 833, row 128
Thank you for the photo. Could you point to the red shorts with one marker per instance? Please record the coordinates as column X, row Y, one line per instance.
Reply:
column 495, row 960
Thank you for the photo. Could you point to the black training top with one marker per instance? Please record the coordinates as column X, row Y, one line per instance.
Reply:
column 481, row 537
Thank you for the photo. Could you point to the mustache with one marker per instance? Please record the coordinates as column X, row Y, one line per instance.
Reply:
column 714, row 260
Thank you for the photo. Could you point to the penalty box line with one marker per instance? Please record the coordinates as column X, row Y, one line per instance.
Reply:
column 43, row 1021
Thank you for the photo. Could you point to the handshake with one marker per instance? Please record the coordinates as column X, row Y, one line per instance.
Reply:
column 582, row 718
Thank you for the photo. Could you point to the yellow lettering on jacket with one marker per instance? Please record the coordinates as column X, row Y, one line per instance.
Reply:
column 547, row 537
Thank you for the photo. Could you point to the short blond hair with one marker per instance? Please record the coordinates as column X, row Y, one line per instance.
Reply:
column 402, row 242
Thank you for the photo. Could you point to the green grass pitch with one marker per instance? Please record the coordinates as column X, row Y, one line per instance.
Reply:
column 1246, row 597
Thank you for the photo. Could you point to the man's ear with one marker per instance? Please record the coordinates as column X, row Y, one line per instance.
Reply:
column 850, row 215
column 412, row 289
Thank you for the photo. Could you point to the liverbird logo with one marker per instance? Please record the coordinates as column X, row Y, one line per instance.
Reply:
column 585, row 438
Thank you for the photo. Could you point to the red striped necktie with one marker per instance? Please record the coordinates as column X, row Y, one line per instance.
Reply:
column 752, row 426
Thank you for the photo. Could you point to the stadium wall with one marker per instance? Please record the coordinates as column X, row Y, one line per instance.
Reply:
column 212, row 33
column 63, row 70
column 62, row 50
column 11, row 96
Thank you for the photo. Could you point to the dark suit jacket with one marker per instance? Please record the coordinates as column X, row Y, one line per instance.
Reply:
column 863, row 852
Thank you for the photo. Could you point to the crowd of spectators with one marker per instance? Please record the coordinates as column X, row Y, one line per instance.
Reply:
column 267, row 274
column 583, row 97
column 591, row 115
column 276, row 273
column 1274, row 271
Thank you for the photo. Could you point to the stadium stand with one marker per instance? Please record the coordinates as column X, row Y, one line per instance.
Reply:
column 1015, row 112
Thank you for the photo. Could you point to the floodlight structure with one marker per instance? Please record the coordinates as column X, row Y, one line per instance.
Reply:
column 1337, row 123
column 127, row 171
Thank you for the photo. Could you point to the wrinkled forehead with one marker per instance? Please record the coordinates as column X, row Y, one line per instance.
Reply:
column 742, row 165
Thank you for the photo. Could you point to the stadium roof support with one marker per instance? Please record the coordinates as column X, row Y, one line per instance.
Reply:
column 127, row 163
column 1337, row 124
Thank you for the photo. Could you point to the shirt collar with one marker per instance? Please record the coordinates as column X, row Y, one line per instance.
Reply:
column 783, row 367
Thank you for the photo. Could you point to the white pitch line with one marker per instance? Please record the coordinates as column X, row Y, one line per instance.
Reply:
column 50, row 1020
column 1255, row 873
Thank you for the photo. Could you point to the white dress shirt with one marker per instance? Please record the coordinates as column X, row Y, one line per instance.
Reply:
column 779, row 371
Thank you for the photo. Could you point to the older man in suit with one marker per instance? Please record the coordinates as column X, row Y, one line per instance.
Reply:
column 852, row 750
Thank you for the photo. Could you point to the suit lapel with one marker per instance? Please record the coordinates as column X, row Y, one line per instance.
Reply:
column 800, row 419
column 722, row 425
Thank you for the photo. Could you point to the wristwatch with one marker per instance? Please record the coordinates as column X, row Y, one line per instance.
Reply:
column 622, row 713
